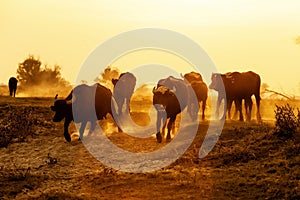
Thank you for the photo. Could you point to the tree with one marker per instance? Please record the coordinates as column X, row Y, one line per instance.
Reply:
column 265, row 90
column 106, row 76
column 28, row 71
column 35, row 78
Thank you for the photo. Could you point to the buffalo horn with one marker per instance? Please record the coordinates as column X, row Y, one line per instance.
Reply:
column 153, row 90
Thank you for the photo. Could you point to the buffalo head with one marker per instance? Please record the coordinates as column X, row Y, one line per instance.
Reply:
column 164, row 96
column 62, row 109
column 216, row 82
column 192, row 76
column 114, row 81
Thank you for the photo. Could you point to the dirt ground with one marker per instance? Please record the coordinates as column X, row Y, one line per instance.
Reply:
column 248, row 162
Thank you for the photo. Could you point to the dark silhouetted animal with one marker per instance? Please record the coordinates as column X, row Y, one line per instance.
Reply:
column 238, row 86
column 193, row 76
column 200, row 88
column 12, row 84
column 165, row 100
column 123, row 90
column 90, row 103
column 172, row 95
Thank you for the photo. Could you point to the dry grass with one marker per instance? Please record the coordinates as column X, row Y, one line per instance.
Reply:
column 248, row 162
column 19, row 122
column 287, row 121
column 16, row 125
column 257, row 165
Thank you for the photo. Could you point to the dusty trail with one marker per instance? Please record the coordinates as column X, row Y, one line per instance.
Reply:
column 248, row 162
column 53, row 168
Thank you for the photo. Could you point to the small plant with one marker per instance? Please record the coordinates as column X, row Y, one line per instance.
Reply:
column 298, row 117
column 18, row 123
column 51, row 160
column 286, row 121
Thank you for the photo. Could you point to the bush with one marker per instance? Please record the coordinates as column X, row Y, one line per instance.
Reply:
column 17, row 125
column 34, row 77
column 286, row 121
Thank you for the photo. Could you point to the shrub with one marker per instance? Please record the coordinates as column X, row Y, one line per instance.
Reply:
column 17, row 124
column 286, row 121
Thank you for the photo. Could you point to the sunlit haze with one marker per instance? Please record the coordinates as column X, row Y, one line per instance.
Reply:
column 238, row 35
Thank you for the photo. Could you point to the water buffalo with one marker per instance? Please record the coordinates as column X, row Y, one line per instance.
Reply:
column 86, row 108
column 238, row 86
column 123, row 90
column 193, row 76
column 12, row 84
column 200, row 88
column 165, row 100
column 172, row 95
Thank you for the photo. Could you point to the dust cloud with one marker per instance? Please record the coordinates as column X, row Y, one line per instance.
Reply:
column 44, row 90
column 4, row 90
column 106, row 77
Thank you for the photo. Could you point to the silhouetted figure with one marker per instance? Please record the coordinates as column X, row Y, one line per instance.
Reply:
column 236, row 87
column 12, row 84
column 123, row 90
column 200, row 89
column 171, row 96
column 86, row 109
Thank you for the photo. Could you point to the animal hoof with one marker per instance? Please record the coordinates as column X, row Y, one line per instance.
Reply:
column 158, row 138
column 67, row 137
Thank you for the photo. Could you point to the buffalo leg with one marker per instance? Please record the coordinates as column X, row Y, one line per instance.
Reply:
column 239, row 108
column 158, row 137
column 229, row 105
column 248, row 106
column 163, row 130
column 218, row 106
column 158, row 128
column 81, row 130
column 203, row 109
column 159, row 120
column 92, row 128
column 173, row 128
column 225, row 110
column 117, row 125
column 258, row 117
column 119, row 103
column 66, row 131
column 170, row 124
column 119, row 129
column 127, row 108
column 235, row 111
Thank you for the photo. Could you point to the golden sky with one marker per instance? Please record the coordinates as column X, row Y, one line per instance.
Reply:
column 238, row 35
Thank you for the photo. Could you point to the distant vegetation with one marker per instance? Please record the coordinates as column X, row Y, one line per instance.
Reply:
column 287, row 122
column 36, row 79
column 107, row 75
column 17, row 124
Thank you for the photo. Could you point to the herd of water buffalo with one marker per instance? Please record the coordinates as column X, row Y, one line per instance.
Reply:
column 170, row 95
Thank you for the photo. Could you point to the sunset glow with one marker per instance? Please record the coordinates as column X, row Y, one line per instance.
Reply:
column 262, row 36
